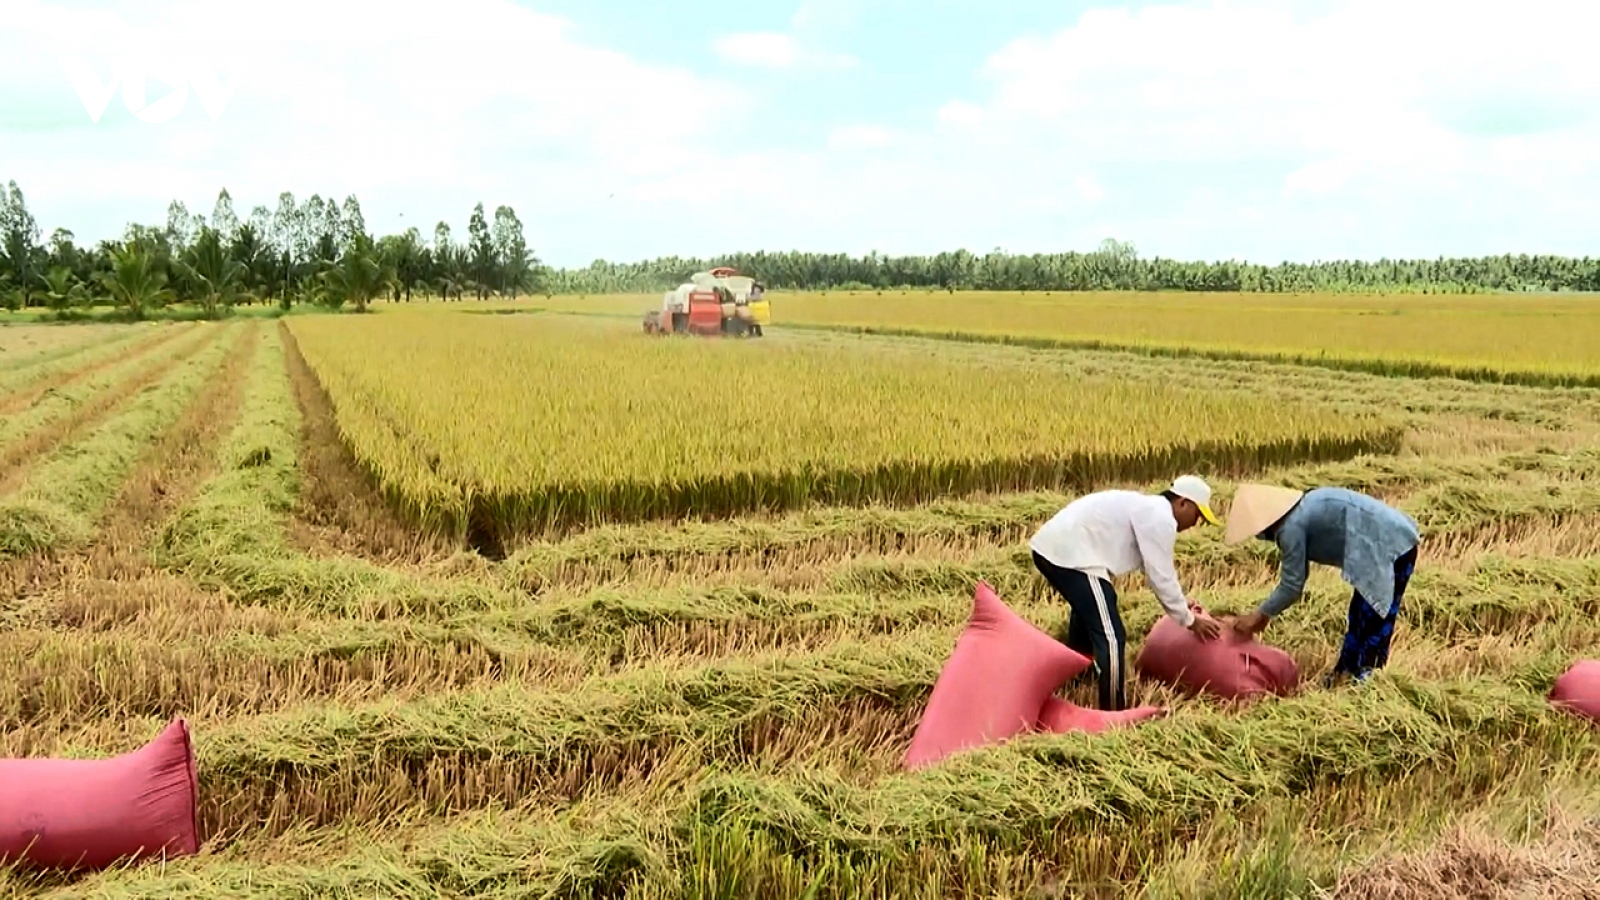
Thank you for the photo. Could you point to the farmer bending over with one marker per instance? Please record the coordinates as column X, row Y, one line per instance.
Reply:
column 1373, row 544
column 1100, row 536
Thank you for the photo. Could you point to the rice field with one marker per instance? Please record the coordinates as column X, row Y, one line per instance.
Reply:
column 228, row 522
column 543, row 423
column 1536, row 339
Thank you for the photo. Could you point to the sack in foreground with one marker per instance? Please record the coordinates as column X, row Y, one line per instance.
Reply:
column 1231, row 666
column 994, row 685
column 89, row 814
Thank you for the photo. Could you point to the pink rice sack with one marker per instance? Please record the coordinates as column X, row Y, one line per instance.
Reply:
column 995, row 684
column 92, row 813
column 1578, row 690
column 1232, row 665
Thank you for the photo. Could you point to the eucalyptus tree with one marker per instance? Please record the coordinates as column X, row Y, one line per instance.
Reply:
column 480, row 254
column 20, row 253
column 223, row 218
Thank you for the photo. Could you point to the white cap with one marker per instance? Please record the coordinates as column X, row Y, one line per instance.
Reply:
column 1191, row 487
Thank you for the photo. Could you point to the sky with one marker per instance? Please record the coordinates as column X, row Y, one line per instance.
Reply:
column 630, row 129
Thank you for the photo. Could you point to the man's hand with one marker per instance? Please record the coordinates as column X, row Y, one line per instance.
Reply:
column 1204, row 627
column 1250, row 624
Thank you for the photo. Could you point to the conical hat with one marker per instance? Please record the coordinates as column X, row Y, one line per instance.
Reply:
column 1257, row 506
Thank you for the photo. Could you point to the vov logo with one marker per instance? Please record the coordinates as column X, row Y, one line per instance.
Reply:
column 135, row 77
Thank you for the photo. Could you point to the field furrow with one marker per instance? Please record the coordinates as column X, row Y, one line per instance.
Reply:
column 65, row 412
column 50, row 378
column 23, row 348
column 340, row 509
column 58, row 501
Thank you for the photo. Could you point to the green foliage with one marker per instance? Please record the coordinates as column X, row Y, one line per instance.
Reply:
column 213, row 276
column 136, row 284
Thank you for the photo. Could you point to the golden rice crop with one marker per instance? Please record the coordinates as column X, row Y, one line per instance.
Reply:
column 513, row 423
column 1515, row 337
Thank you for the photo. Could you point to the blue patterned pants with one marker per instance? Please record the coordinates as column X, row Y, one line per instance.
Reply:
column 1366, row 641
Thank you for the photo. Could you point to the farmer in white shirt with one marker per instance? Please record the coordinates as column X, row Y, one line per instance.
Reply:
column 1103, row 535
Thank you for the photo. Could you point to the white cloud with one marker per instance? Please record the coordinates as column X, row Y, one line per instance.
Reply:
column 776, row 50
column 961, row 114
column 1319, row 178
column 1381, row 108
column 859, row 137
column 1373, row 79
column 759, row 48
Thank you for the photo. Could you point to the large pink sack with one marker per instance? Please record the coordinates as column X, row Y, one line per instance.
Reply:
column 995, row 683
column 1231, row 666
column 1578, row 690
column 92, row 813
column 1059, row 717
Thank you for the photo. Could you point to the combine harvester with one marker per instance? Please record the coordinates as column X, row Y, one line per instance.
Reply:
column 719, row 303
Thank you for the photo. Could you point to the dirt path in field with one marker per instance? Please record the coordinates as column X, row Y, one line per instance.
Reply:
column 341, row 510
column 29, row 395
column 113, row 570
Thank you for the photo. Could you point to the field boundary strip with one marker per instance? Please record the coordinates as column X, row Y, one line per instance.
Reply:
column 233, row 533
column 1390, row 367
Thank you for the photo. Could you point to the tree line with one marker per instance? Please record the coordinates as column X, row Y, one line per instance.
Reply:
column 1115, row 265
column 319, row 251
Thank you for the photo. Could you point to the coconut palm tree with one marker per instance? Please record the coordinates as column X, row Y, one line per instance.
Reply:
column 134, row 282
column 213, row 275
column 359, row 275
column 62, row 290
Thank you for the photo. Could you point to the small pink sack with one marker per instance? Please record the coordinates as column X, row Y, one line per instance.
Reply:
column 1231, row 666
column 92, row 813
column 1578, row 691
column 994, row 685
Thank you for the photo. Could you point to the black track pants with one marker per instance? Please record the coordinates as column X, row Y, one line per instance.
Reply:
column 1095, row 629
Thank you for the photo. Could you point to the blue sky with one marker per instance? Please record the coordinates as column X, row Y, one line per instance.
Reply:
column 1244, row 129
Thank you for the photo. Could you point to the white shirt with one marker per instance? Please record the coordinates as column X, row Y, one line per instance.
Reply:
column 1112, row 533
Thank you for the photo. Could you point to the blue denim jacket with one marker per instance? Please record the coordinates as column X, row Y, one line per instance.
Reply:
column 1339, row 527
